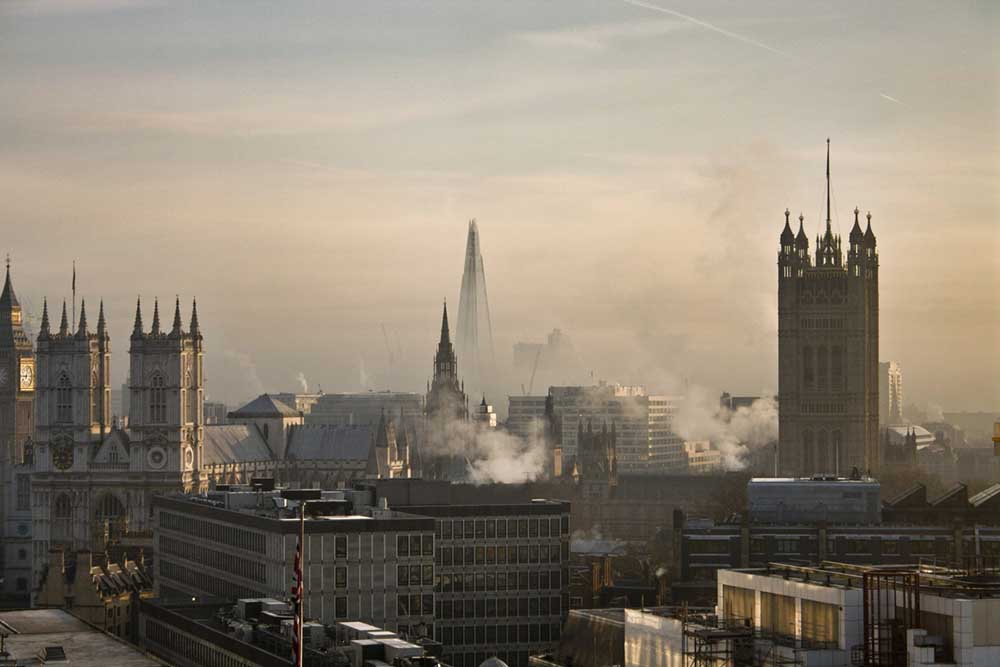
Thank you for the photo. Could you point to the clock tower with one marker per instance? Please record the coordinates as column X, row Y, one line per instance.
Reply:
column 17, row 388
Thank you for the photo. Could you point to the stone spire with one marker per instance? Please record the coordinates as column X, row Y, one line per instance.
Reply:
column 8, row 299
column 43, row 333
column 155, row 331
column 101, row 324
column 81, row 331
column 786, row 234
column 175, row 331
column 828, row 186
column 137, row 327
column 856, row 233
column 445, row 334
column 195, row 330
column 64, row 324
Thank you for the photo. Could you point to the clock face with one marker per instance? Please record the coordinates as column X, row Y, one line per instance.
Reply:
column 62, row 456
column 27, row 375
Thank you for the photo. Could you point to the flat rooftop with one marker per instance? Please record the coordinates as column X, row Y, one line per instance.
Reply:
column 934, row 580
column 31, row 631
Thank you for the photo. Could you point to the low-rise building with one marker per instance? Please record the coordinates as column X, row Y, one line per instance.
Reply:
column 54, row 636
column 258, row 633
column 360, row 562
column 701, row 457
column 105, row 596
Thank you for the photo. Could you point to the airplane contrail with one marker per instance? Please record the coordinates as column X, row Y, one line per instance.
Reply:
column 892, row 99
column 709, row 26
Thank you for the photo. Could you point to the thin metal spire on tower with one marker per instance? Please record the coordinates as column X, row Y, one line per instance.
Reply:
column 828, row 185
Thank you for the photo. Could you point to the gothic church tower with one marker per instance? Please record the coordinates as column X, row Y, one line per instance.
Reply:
column 828, row 351
column 166, row 395
column 17, row 388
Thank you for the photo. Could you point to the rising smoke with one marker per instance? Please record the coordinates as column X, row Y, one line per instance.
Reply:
column 488, row 455
column 735, row 433
column 302, row 382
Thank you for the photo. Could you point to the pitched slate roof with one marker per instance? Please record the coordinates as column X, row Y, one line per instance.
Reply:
column 264, row 406
column 322, row 441
column 233, row 443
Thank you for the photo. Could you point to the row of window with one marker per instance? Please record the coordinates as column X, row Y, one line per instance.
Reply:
column 860, row 546
column 223, row 561
column 489, row 555
column 823, row 323
column 200, row 653
column 414, row 545
column 216, row 532
column 467, row 582
column 498, row 608
column 411, row 575
column 206, row 581
column 821, row 365
column 471, row 635
column 478, row 529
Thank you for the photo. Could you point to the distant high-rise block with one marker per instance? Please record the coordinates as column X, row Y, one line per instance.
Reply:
column 827, row 351
column 474, row 334
column 890, row 394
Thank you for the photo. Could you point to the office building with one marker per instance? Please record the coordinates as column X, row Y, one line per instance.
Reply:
column 526, row 416
column 828, row 386
column 838, row 614
column 890, row 394
column 646, row 443
column 360, row 563
column 501, row 569
column 953, row 529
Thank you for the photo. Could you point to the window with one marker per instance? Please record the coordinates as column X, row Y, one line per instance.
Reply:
column 63, row 508
column 157, row 400
column 94, row 392
column 340, row 607
column 820, row 625
column 808, row 376
column 777, row 614
column 402, row 546
column 340, row 577
column 837, row 368
column 340, row 546
column 64, row 400
column 23, row 492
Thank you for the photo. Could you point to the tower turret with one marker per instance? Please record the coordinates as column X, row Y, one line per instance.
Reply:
column 81, row 331
column 155, row 331
column 137, row 327
column 43, row 332
column 195, row 330
column 64, row 324
column 175, row 330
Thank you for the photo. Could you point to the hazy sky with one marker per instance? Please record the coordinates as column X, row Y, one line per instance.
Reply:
column 307, row 170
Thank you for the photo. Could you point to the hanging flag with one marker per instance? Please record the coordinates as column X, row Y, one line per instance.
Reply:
column 297, row 606
column 74, row 275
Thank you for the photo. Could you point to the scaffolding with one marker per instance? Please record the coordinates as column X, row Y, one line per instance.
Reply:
column 716, row 641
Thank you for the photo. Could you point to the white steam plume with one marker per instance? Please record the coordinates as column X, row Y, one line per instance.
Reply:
column 734, row 433
column 302, row 382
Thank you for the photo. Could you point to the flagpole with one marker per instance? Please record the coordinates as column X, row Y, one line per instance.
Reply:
column 73, row 323
column 299, row 652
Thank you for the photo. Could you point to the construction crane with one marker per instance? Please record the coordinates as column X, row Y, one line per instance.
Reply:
column 531, row 382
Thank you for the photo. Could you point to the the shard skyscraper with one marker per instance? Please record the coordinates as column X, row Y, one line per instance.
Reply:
column 475, row 328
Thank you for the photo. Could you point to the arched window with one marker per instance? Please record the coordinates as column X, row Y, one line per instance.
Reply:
column 94, row 393
column 109, row 507
column 63, row 508
column 807, row 367
column 837, row 368
column 822, row 453
column 64, row 400
column 821, row 366
column 838, row 452
column 157, row 400
column 808, row 453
